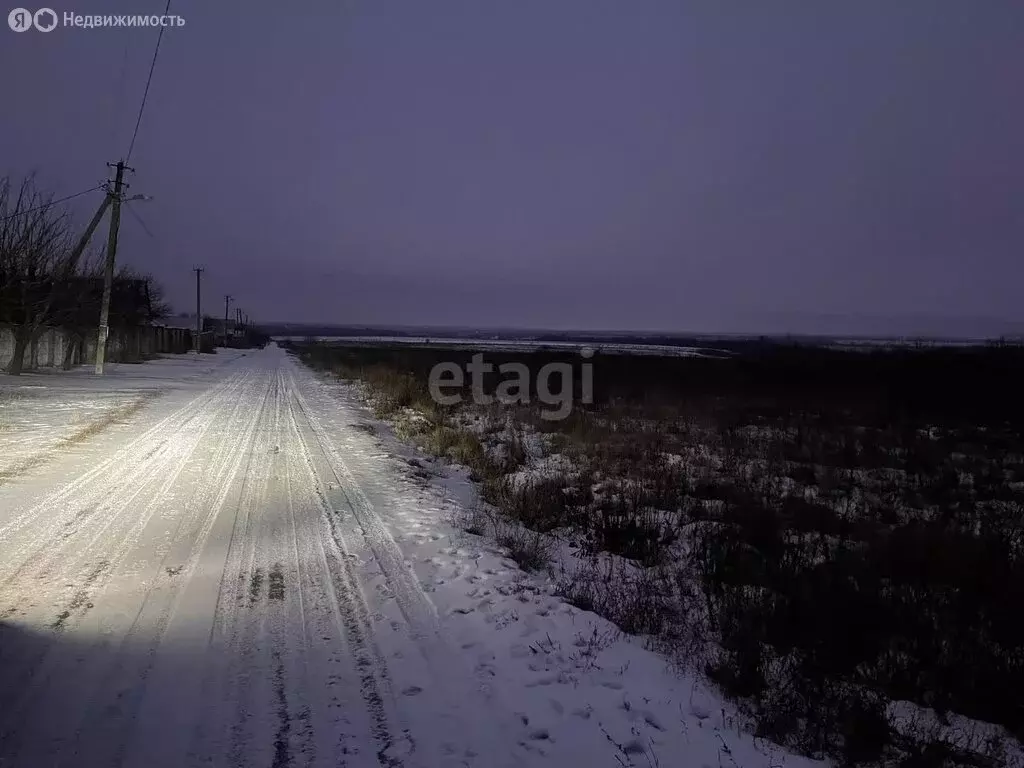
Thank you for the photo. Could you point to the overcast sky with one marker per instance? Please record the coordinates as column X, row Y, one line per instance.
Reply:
column 642, row 164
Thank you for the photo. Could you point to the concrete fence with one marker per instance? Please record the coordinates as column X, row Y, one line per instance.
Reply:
column 124, row 345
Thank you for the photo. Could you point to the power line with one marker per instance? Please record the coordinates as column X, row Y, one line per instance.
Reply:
column 117, row 107
column 52, row 202
column 138, row 218
column 149, row 79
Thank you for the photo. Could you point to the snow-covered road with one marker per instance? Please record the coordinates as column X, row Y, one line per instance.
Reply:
column 238, row 576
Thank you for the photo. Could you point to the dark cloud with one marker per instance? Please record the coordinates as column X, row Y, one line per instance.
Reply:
column 582, row 163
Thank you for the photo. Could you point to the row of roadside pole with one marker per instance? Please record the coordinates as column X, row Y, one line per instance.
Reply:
column 113, row 199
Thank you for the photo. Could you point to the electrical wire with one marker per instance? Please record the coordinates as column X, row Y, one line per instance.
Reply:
column 117, row 106
column 149, row 80
column 53, row 202
column 138, row 218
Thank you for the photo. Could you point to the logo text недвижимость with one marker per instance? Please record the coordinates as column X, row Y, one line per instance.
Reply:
column 47, row 20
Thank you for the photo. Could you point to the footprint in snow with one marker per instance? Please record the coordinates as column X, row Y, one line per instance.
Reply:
column 699, row 711
column 635, row 747
column 653, row 721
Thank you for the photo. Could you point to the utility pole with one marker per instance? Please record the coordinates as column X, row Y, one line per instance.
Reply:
column 87, row 235
column 227, row 301
column 199, row 308
column 108, row 271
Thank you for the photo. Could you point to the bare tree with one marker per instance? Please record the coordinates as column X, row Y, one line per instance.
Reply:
column 137, row 299
column 35, row 250
column 156, row 307
column 78, row 304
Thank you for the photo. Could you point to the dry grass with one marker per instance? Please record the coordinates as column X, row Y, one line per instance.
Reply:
column 821, row 533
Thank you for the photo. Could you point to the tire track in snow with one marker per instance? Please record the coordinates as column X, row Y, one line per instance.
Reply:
column 257, row 672
column 180, row 667
column 252, row 689
column 351, row 613
column 230, row 655
column 152, row 714
column 54, row 565
column 462, row 726
column 329, row 676
column 99, row 495
column 415, row 605
column 27, row 672
column 482, row 726
column 296, row 737
column 285, row 654
column 125, row 460
column 289, row 684
column 215, row 408
column 275, row 649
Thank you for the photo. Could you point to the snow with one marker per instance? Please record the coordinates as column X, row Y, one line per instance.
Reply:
column 520, row 345
column 238, row 573
column 961, row 734
column 42, row 411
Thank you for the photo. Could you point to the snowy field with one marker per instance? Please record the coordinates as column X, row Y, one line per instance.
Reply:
column 524, row 345
column 664, row 350
column 237, row 573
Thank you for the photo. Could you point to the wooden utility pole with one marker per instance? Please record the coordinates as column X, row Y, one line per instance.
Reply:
column 108, row 271
column 227, row 301
column 199, row 308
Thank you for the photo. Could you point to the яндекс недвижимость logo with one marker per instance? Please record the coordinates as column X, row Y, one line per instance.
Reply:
column 22, row 19
column 47, row 20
